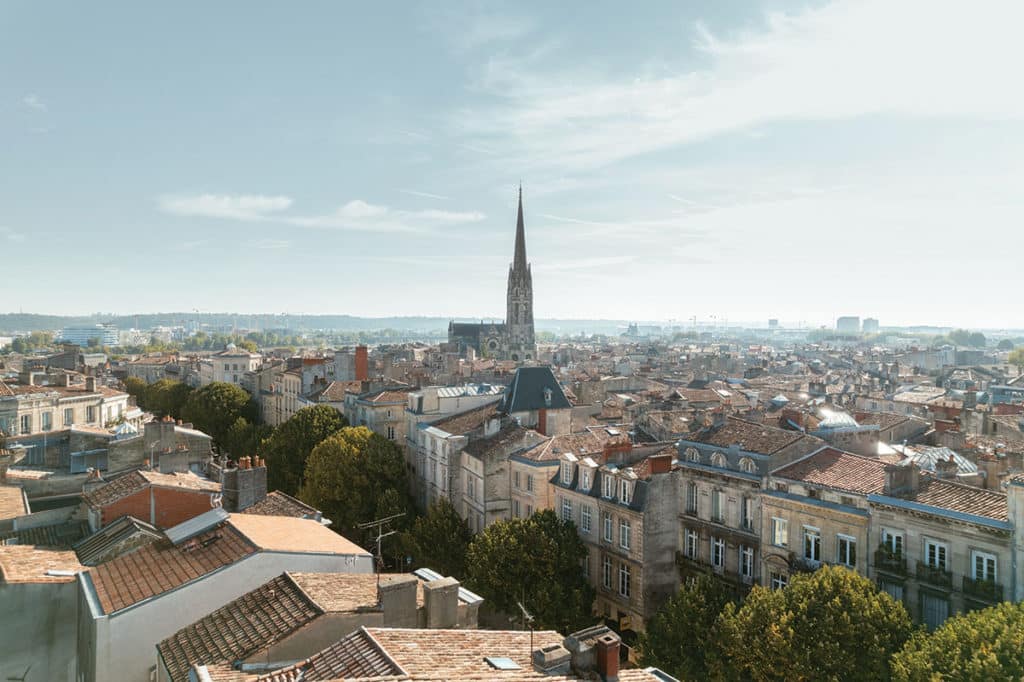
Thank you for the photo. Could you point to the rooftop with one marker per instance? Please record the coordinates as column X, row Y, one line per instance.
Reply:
column 290, row 534
column 133, row 482
column 277, row 503
column 28, row 564
column 749, row 436
column 533, row 388
column 469, row 420
column 12, row 502
column 833, row 468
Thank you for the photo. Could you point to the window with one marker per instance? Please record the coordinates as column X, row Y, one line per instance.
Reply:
column 586, row 565
column 515, row 480
column 692, row 455
column 718, row 553
column 515, row 508
column 934, row 610
column 607, row 527
column 779, row 581
column 566, row 473
column 585, row 518
column 893, row 540
column 747, row 466
column 69, row 416
column 718, row 460
column 47, row 421
column 608, row 485
column 624, row 580
column 391, row 433
column 529, row 483
column 846, row 550
column 625, row 531
column 812, row 544
column 746, row 561
column 606, row 572
column 433, row 471
column 717, row 505
column 625, row 490
column 747, row 513
column 26, row 423
column 983, row 566
column 690, row 544
column 566, row 509
column 691, row 497
column 780, row 532
column 585, row 483
column 90, row 414
column 935, row 554
column 894, row 590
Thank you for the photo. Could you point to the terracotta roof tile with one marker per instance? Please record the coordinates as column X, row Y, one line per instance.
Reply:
column 837, row 469
column 12, row 502
column 749, row 436
column 289, row 534
column 277, row 503
column 133, row 482
column 961, row 498
column 464, row 422
column 28, row 564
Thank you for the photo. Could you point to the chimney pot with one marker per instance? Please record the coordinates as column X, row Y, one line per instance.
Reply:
column 608, row 657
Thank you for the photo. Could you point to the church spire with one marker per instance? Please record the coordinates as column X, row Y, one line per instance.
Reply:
column 519, row 261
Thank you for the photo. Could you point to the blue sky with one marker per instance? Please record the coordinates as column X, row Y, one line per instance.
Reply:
column 740, row 160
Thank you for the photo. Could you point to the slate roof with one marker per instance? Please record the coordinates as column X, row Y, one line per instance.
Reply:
column 161, row 566
column 469, row 420
column 833, row 468
column 277, row 503
column 526, row 392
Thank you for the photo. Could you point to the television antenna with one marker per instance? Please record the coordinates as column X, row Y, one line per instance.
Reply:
column 379, row 525
column 527, row 618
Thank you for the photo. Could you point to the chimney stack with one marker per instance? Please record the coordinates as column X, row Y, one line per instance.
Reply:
column 660, row 464
column 901, row 479
column 441, row 600
column 608, row 657
column 946, row 468
column 397, row 597
column 90, row 384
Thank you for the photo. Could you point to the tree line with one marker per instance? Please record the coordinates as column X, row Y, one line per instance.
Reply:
column 832, row 624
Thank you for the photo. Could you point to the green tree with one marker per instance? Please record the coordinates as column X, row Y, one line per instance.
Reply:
column 167, row 397
column 537, row 561
column 287, row 448
column 439, row 540
column 960, row 337
column 136, row 388
column 981, row 645
column 828, row 625
column 215, row 407
column 1004, row 344
column 977, row 340
column 683, row 633
column 1016, row 357
column 357, row 476
column 244, row 438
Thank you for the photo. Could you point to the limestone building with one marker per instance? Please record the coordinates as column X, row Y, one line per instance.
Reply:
column 513, row 339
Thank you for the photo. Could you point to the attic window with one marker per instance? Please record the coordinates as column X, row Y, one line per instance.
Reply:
column 502, row 663
column 547, row 397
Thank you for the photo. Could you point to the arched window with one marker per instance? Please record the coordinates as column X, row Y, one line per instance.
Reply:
column 747, row 466
column 692, row 455
column 718, row 460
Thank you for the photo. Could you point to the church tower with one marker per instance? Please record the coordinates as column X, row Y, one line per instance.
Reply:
column 519, row 317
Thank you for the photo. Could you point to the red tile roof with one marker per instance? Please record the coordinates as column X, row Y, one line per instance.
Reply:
column 837, row 469
column 961, row 498
column 750, row 436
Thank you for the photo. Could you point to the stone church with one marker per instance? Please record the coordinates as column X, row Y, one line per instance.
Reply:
column 513, row 339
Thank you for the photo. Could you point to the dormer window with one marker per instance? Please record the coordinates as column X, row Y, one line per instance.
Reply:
column 547, row 397
column 566, row 473
column 625, row 492
column 585, row 482
column 747, row 466
column 718, row 460
column 692, row 455
column 608, row 486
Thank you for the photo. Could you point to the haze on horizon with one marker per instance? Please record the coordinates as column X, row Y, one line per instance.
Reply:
column 739, row 160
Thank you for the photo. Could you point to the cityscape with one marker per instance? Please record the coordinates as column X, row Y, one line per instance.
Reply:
column 642, row 378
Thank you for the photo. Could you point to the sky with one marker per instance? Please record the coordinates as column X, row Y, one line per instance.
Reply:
column 727, row 160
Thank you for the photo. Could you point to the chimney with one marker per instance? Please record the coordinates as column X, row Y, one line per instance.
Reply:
column 65, row 379
column 660, row 464
column 901, row 479
column 90, row 384
column 553, row 659
column 396, row 595
column 608, row 657
column 441, row 599
column 362, row 364
column 946, row 468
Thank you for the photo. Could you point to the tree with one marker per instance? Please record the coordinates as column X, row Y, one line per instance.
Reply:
column 137, row 388
column 683, row 632
column 960, row 337
column 1004, row 344
column 439, row 540
column 828, row 625
column 976, row 340
column 287, row 448
column 980, row 645
column 243, row 438
column 167, row 398
column 1016, row 357
column 357, row 476
column 215, row 407
column 536, row 561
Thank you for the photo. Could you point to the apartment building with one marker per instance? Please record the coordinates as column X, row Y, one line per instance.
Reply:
column 382, row 411
column 625, row 511
column 31, row 408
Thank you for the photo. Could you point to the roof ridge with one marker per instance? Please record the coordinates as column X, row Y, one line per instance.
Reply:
column 312, row 602
column 932, row 478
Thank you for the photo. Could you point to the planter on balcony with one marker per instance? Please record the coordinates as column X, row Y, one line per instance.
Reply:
column 987, row 590
column 934, row 575
column 888, row 560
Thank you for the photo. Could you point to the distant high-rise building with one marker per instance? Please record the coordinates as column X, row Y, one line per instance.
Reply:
column 773, row 324
column 870, row 325
column 106, row 334
column 848, row 325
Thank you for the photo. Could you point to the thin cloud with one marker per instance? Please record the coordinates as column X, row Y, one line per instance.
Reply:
column 231, row 207
column 272, row 244
column 11, row 235
column 32, row 101
column 425, row 195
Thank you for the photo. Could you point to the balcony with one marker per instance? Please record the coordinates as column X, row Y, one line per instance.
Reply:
column 939, row 577
column 802, row 565
column 985, row 590
column 890, row 561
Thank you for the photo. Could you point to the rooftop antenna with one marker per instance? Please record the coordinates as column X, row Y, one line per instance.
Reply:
column 379, row 525
column 527, row 618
